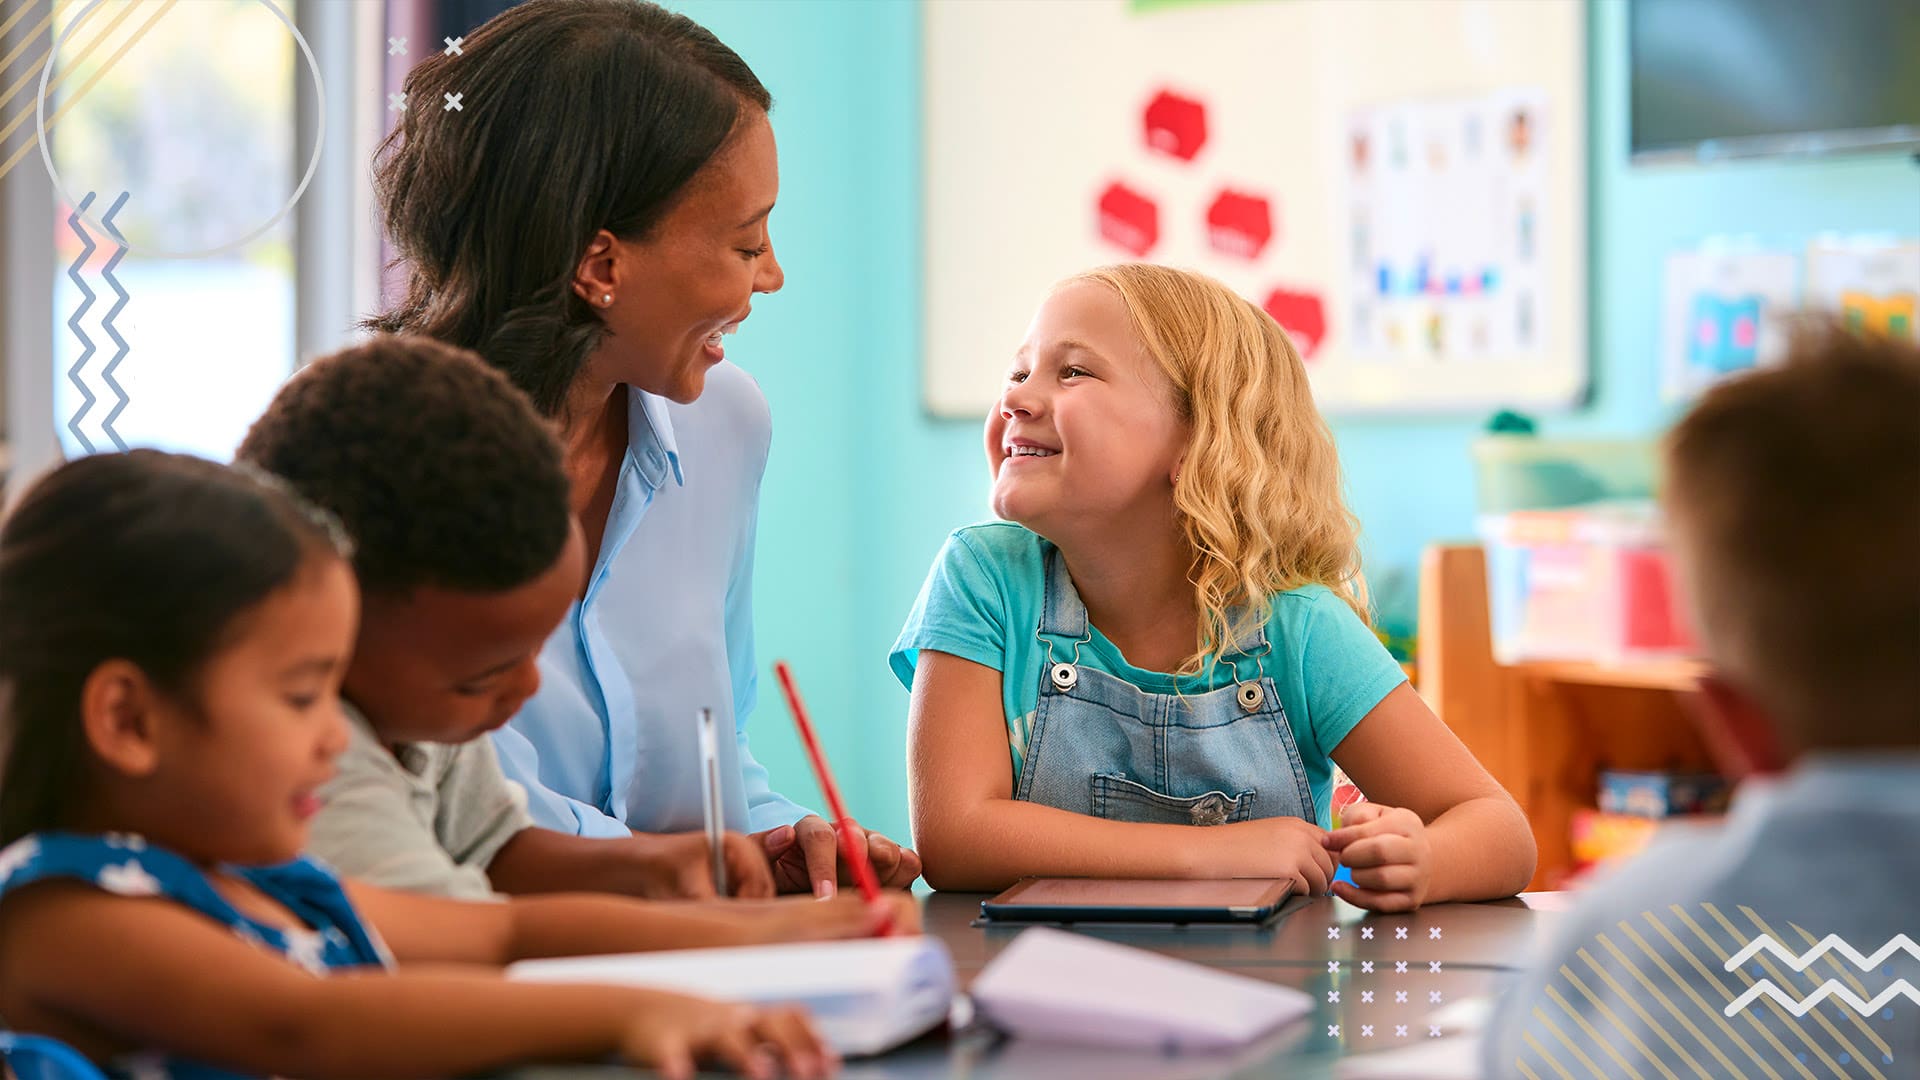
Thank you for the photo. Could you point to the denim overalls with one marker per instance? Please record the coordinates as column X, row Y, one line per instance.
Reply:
column 1102, row 746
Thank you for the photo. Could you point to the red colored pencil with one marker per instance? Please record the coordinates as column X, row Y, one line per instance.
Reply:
column 863, row 874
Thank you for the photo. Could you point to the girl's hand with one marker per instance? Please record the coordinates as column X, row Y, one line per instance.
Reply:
column 1387, row 849
column 843, row 916
column 672, row 1033
column 1275, row 847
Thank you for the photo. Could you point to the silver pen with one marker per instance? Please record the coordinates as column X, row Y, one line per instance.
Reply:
column 716, row 818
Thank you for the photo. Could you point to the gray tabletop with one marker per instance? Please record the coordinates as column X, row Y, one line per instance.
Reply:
column 1378, row 982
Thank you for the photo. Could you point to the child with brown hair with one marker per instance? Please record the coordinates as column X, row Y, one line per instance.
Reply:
column 1793, row 496
column 173, row 634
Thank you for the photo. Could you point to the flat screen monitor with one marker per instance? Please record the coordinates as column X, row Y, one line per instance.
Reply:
column 1740, row 78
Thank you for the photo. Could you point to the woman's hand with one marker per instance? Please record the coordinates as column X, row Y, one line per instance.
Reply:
column 1389, row 853
column 1276, row 847
column 672, row 1033
column 806, row 858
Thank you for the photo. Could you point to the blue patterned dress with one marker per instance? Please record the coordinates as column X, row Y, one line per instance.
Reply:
column 125, row 865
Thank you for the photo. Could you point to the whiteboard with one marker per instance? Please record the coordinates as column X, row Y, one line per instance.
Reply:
column 1222, row 137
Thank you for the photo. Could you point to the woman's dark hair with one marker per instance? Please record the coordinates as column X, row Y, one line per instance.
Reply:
column 575, row 116
column 147, row 557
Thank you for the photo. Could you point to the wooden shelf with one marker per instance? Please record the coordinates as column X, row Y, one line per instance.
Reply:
column 1546, row 729
column 1679, row 675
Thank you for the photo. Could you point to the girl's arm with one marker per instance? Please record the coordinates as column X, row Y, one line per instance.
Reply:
column 973, row 834
column 149, row 974
column 432, row 929
column 654, row 865
column 1479, row 845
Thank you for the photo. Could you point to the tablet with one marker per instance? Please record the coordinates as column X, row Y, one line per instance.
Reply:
column 1233, row 900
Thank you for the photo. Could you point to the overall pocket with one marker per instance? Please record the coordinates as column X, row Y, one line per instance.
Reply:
column 1117, row 798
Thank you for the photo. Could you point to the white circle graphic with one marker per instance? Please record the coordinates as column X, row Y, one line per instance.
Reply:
column 313, row 161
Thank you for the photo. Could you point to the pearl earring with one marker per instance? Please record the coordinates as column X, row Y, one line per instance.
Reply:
column 606, row 299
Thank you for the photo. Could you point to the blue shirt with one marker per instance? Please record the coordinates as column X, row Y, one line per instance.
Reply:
column 982, row 602
column 608, row 743
column 333, row 936
column 1636, row 974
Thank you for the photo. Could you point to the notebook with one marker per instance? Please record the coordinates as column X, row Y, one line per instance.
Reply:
column 866, row 996
column 1064, row 987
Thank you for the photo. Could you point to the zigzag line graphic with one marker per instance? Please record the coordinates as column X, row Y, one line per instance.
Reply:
column 106, row 322
column 1830, row 988
column 1830, row 943
column 73, row 324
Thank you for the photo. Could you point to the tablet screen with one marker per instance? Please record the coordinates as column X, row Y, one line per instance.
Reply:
column 1145, row 893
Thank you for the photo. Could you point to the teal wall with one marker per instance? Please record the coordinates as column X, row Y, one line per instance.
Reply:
column 863, row 486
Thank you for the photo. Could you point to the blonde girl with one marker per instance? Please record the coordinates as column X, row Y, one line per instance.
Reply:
column 1149, row 668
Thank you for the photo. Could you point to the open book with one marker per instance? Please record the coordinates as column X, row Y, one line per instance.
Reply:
column 866, row 996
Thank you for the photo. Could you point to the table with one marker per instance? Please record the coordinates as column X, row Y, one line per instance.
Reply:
column 1475, row 943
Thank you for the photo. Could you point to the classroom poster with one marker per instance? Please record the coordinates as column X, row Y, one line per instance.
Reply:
column 1723, row 315
column 1220, row 137
column 1446, row 201
column 1872, row 285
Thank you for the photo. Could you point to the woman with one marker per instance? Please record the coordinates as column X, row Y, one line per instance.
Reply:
column 593, row 221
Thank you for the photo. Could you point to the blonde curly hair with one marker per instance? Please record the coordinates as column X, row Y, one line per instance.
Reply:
column 1259, row 492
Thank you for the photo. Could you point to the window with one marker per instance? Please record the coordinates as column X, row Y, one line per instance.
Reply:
column 178, row 120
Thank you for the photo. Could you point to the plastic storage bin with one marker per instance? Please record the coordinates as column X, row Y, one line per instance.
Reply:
column 1592, row 584
column 1521, row 472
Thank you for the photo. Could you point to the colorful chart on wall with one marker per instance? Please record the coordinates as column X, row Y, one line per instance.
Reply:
column 1398, row 182
column 1873, row 285
column 1723, row 315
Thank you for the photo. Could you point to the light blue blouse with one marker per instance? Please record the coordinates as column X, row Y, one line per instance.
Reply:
column 666, row 628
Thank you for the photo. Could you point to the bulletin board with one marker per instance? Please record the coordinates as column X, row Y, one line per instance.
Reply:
column 1399, row 182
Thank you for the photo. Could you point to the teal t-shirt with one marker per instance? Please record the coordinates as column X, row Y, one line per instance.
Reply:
column 982, row 601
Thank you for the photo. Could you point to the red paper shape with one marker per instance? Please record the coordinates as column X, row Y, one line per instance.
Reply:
column 1239, row 224
column 1175, row 125
column 1302, row 316
column 1128, row 219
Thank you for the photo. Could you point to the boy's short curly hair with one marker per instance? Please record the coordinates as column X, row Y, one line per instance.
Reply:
column 442, row 471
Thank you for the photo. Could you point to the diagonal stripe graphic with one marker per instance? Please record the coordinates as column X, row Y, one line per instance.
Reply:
column 1598, row 1039
column 1638, row 1009
column 1675, row 979
column 33, row 69
column 1558, row 1069
column 30, row 36
column 1713, row 946
column 1685, row 953
column 28, row 147
column 1613, row 1018
column 1572, row 1047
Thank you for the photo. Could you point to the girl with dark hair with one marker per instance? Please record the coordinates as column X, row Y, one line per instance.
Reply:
column 172, row 638
column 594, row 222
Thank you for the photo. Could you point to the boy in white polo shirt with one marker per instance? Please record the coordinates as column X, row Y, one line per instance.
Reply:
column 468, row 555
